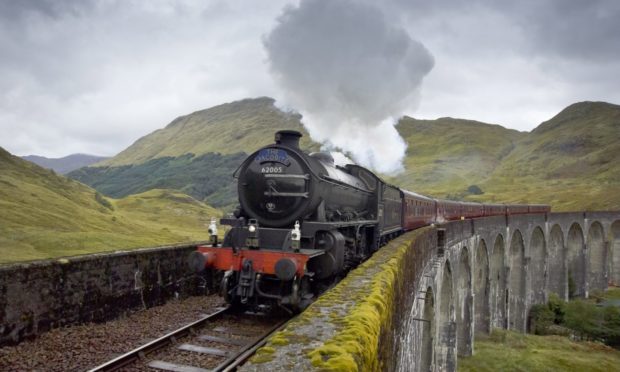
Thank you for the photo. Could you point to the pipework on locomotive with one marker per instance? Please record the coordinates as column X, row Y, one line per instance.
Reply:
column 303, row 222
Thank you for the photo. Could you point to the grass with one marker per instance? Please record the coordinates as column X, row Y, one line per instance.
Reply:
column 44, row 215
column 226, row 129
column 567, row 162
column 446, row 156
column 511, row 351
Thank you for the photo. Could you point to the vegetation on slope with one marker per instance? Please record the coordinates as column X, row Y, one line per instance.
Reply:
column 226, row 129
column 513, row 351
column 45, row 215
column 206, row 177
column 446, row 156
column 567, row 162
column 594, row 319
column 557, row 325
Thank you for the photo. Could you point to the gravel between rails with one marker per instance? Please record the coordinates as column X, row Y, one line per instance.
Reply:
column 79, row 348
column 253, row 326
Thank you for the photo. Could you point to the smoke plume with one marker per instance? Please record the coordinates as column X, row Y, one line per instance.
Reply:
column 351, row 73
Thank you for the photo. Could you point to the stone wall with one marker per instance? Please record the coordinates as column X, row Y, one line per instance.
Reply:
column 356, row 325
column 41, row 295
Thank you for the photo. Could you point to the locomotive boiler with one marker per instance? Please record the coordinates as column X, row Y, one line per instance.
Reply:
column 303, row 221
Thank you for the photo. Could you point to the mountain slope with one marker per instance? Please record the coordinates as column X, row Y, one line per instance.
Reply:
column 446, row 156
column 226, row 129
column 65, row 164
column 45, row 215
column 569, row 161
column 196, row 154
column 206, row 177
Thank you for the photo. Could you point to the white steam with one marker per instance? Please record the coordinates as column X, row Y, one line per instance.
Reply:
column 351, row 73
column 340, row 158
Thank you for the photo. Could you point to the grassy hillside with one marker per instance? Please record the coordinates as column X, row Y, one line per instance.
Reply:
column 45, row 215
column 196, row 154
column 513, row 351
column 569, row 161
column 446, row 156
column 206, row 177
column 226, row 129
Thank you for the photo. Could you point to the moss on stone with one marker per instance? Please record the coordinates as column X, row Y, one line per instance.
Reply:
column 354, row 347
column 263, row 355
column 354, row 314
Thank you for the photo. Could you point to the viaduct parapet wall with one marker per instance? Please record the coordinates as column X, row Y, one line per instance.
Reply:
column 41, row 295
column 419, row 301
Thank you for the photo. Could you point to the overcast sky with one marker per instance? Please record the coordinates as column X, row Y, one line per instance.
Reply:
column 94, row 76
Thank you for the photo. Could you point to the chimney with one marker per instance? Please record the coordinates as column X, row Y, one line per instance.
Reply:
column 289, row 138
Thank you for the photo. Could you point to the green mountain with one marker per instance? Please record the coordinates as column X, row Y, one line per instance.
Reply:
column 567, row 161
column 446, row 156
column 242, row 126
column 45, row 215
column 196, row 154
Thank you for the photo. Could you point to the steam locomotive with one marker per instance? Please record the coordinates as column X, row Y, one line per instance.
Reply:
column 303, row 222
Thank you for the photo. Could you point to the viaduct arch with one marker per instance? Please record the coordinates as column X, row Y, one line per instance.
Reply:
column 494, row 269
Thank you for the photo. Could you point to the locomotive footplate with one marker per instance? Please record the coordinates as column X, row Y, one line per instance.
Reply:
column 263, row 261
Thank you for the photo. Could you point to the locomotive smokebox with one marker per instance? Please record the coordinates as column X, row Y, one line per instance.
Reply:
column 288, row 138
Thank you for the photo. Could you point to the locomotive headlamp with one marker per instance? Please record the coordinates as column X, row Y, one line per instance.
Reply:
column 213, row 231
column 296, row 237
column 252, row 238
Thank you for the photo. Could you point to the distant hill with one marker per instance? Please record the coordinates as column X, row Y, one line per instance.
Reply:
column 44, row 215
column 446, row 156
column 568, row 161
column 66, row 164
column 196, row 154
column 241, row 126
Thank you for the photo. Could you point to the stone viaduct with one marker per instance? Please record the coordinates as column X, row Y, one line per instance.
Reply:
column 488, row 272
column 415, row 305
column 444, row 284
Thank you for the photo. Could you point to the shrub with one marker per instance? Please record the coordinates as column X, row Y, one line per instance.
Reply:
column 583, row 318
column 541, row 319
column 558, row 307
column 103, row 201
column 475, row 190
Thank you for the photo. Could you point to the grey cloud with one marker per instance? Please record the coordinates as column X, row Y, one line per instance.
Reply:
column 18, row 10
column 587, row 30
column 95, row 75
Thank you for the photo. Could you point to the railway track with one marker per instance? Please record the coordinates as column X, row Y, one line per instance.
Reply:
column 220, row 341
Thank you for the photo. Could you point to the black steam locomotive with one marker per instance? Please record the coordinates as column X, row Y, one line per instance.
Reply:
column 304, row 221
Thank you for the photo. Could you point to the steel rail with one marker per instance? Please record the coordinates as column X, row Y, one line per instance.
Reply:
column 170, row 338
column 247, row 351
